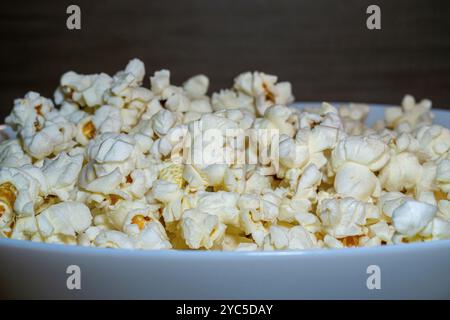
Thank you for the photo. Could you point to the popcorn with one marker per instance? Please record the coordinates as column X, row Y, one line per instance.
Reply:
column 85, row 130
column 233, row 242
column 172, row 172
column 265, row 89
column 128, row 96
column 8, row 194
column 170, row 144
column 442, row 178
column 243, row 118
column 197, row 86
column 278, row 116
column 166, row 191
column 87, row 237
column 444, row 209
column 29, row 111
column 257, row 182
column 317, row 133
column 403, row 172
column 113, row 239
column 153, row 237
column 198, row 106
column 123, row 214
column 353, row 117
column 434, row 142
column 140, row 222
column 111, row 157
column 53, row 135
column 332, row 243
column 139, row 181
column 389, row 201
column 25, row 228
column 195, row 178
column 383, row 231
column 189, row 101
column 135, row 71
column 410, row 116
column 20, row 188
column 104, row 184
column 346, row 217
column 176, row 101
column 326, row 116
column 66, row 218
column 162, row 122
column 143, row 134
column 440, row 228
column 221, row 204
column 160, row 81
column 61, row 174
column 366, row 151
column 113, row 148
column 292, row 154
column 106, row 119
column 299, row 206
column 230, row 100
column 234, row 180
column 171, row 195
column 412, row 216
column 116, row 164
column 201, row 229
column 357, row 181
column 12, row 154
column 84, row 90
column 295, row 238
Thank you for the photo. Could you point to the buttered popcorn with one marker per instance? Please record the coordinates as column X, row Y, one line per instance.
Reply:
column 112, row 162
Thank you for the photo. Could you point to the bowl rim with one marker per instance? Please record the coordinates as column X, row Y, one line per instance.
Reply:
column 406, row 248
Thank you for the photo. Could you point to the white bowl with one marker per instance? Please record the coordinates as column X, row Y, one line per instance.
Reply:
column 407, row 271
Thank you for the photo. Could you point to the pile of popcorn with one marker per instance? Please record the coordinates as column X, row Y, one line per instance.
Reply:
column 104, row 165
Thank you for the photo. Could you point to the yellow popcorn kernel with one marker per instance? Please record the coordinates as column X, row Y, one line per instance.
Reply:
column 173, row 173
column 140, row 221
column 89, row 130
column 114, row 198
column 269, row 94
column 351, row 241
column 319, row 235
column 8, row 194
column 129, row 179
column 38, row 109
column 439, row 195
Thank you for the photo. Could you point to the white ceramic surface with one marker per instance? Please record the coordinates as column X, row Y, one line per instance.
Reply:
column 38, row 270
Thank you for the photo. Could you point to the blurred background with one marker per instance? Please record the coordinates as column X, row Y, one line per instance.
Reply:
column 323, row 46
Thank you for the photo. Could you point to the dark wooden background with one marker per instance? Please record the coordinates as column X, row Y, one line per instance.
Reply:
column 323, row 46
